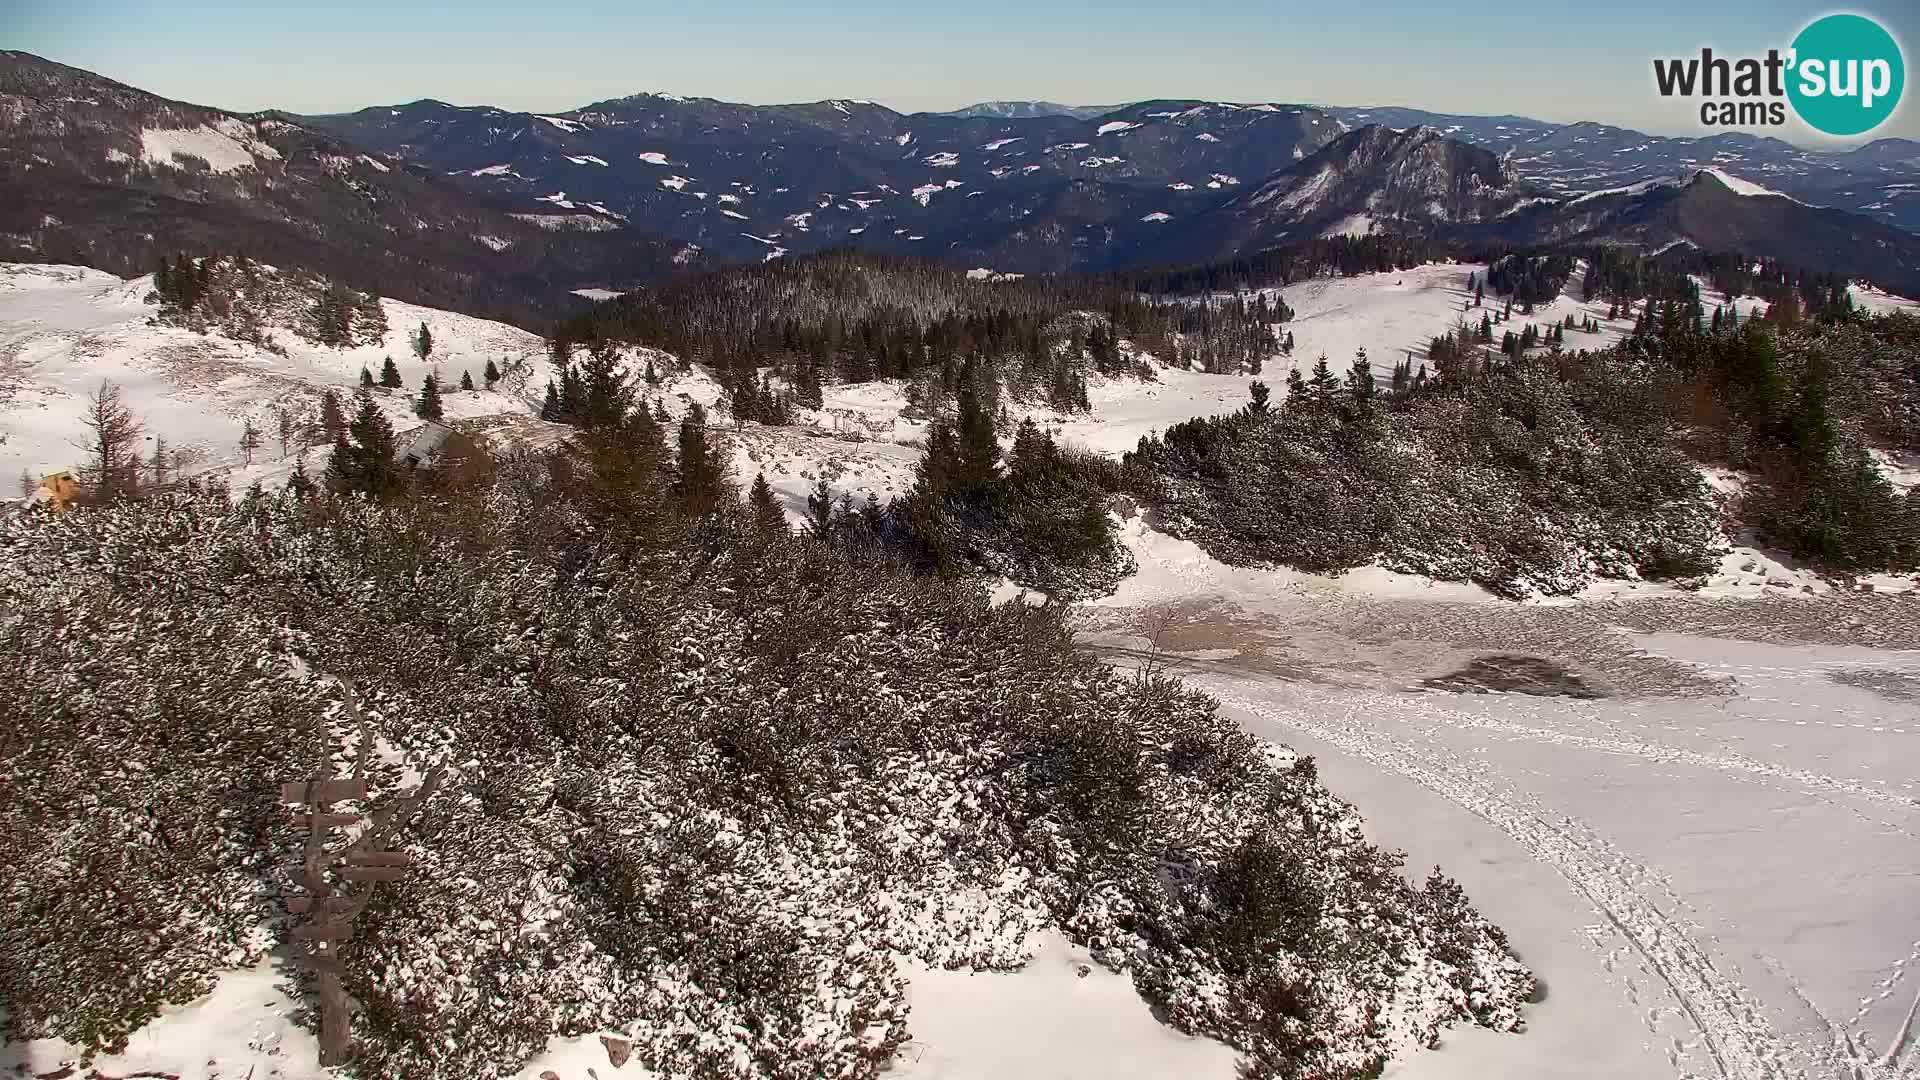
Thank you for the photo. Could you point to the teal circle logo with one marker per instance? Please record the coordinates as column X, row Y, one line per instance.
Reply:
column 1847, row 75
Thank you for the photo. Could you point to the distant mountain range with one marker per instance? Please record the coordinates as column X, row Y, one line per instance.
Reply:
column 1014, row 110
column 481, row 208
column 1880, row 179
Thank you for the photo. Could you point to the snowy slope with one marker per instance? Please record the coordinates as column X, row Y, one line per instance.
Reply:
column 1707, row 865
column 243, row 1029
column 65, row 329
column 1881, row 302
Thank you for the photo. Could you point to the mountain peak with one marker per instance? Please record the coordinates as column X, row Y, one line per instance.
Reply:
column 1375, row 178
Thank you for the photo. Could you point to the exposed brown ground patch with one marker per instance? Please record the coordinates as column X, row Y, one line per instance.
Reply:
column 1516, row 675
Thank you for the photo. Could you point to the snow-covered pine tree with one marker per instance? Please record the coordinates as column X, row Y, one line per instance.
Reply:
column 765, row 508
column 820, row 510
column 429, row 406
column 700, row 476
column 333, row 417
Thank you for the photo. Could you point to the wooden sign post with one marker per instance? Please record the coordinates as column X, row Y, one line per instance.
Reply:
column 326, row 911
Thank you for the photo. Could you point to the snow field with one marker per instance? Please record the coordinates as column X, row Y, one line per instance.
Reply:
column 64, row 330
column 1705, row 869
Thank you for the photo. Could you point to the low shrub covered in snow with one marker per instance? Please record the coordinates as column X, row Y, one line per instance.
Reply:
column 1522, row 481
column 704, row 789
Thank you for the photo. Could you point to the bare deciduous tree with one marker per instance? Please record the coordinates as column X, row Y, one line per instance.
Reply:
column 113, row 435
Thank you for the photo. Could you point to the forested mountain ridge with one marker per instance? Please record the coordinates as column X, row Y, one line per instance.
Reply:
column 109, row 176
column 1048, row 192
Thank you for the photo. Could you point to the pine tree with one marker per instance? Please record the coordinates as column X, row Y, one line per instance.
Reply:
column 1296, row 388
column 492, row 374
column 300, row 485
column 330, row 320
column 428, row 405
column 163, row 282
column 573, row 395
column 369, row 323
column 764, row 508
column 341, row 467
column 1256, row 406
column 597, row 395
column 390, row 375
column 1324, row 386
column 363, row 461
column 698, row 487
column 820, row 511
column 466, row 380
column 550, row 408
column 1031, row 448
column 807, row 389
column 977, row 454
column 1360, row 382
column 423, row 343
column 366, row 378
column 333, row 419
column 157, row 463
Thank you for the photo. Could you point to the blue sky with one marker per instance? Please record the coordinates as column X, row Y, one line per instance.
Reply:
column 1590, row 61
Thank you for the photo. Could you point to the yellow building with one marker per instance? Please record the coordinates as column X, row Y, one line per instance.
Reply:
column 58, row 489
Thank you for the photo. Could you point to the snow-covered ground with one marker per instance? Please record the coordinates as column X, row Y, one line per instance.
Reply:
column 1710, row 864
column 66, row 329
column 1738, row 861
column 243, row 1029
column 1881, row 302
column 1060, row 1016
column 1393, row 315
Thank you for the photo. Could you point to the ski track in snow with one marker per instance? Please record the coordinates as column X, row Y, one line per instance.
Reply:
column 1691, row 956
column 1739, row 1041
